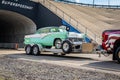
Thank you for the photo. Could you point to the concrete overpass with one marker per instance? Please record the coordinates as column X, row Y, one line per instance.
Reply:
column 18, row 18
column 21, row 17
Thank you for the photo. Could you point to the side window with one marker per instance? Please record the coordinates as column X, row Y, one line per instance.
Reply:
column 46, row 30
column 54, row 30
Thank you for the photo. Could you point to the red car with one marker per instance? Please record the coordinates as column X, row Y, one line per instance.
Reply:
column 105, row 37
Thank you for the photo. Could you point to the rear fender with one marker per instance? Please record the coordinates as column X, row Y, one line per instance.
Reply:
column 40, row 47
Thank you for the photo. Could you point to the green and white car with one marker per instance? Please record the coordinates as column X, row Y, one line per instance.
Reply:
column 51, row 36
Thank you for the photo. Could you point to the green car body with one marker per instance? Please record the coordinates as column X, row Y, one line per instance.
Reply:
column 46, row 36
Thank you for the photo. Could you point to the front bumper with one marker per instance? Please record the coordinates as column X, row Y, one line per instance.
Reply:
column 76, row 46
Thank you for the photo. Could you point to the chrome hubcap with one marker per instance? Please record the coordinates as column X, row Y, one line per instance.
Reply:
column 58, row 44
column 65, row 46
column 28, row 50
column 35, row 50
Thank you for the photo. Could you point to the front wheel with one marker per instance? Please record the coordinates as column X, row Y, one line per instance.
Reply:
column 66, row 46
column 36, row 50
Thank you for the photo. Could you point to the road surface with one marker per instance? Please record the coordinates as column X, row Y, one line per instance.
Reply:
column 87, row 61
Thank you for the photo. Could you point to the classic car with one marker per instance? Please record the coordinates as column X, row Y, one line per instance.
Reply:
column 52, row 36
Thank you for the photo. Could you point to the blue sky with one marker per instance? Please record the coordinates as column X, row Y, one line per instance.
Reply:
column 98, row 2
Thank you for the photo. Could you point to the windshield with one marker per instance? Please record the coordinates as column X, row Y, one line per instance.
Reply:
column 62, row 30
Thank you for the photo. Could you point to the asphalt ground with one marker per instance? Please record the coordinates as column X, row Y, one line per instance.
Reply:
column 78, row 60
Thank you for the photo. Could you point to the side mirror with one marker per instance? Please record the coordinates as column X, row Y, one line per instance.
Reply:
column 67, row 28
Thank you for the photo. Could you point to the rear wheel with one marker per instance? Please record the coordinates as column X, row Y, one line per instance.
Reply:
column 28, row 49
column 58, row 43
column 66, row 46
column 117, row 54
column 36, row 50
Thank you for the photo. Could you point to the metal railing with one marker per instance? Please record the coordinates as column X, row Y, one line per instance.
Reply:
column 70, row 19
column 95, row 3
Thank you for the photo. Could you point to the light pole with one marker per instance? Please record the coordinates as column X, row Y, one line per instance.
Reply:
column 108, row 3
column 93, row 2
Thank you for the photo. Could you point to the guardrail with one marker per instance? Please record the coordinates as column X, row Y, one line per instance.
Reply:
column 95, row 3
column 70, row 19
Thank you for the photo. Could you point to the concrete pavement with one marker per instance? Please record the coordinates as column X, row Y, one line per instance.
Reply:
column 84, row 61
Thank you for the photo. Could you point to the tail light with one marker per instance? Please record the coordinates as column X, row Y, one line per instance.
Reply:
column 104, row 37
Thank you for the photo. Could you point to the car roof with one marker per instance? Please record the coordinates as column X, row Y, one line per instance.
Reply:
column 48, row 27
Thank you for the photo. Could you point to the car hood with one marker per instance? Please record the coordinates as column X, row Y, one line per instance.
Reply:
column 76, row 35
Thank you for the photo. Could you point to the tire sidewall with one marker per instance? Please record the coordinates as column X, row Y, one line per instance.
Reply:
column 117, row 54
column 28, row 47
column 36, row 47
column 69, row 46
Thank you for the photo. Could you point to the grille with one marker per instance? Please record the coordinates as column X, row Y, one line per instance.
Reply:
column 76, row 39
